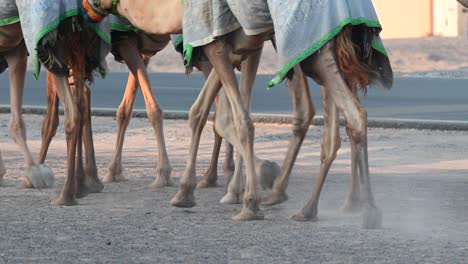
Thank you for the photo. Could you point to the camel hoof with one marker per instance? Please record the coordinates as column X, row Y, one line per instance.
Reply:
column 248, row 214
column 301, row 217
column 161, row 183
column 352, row 206
column 40, row 177
column 274, row 198
column 113, row 178
column 87, row 188
column 206, row 184
column 183, row 200
column 231, row 198
column 25, row 183
column 268, row 172
column 371, row 218
column 62, row 201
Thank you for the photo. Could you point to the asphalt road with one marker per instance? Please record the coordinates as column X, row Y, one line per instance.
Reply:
column 410, row 98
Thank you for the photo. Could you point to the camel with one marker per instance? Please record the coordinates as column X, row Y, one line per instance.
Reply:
column 136, row 48
column 336, row 63
column 71, row 50
column 333, row 63
column 13, row 54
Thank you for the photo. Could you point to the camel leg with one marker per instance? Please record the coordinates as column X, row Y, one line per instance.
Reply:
column 326, row 68
column 197, row 120
column 210, row 177
column 331, row 142
column 51, row 118
column 124, row 114
column 88, row 182
column 2, row 169
column 39, row 176
column 353, row 202
column 217, row 52
column 72, row 118
column 155, row 116
column 303, row 114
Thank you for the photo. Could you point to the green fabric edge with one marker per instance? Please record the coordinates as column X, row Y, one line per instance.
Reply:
column 188, row 52
column 178, row 41
column 120, row 27
column 53, row 25
column 9, row 21
column 353, row 21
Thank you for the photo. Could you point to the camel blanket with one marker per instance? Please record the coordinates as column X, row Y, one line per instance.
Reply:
column 8, row 12
column 301, row 27
column 41, row 18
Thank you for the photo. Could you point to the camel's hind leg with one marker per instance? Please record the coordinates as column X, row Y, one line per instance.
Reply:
column 51, row 118
column 331, row 142
column 2, row 169
column 72, row 119
column 303, row 114
column 326, row 68
column 197, row 120
column 39, row 176
column 88, row 180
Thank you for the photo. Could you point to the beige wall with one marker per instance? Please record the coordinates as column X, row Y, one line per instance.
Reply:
column 404, row 18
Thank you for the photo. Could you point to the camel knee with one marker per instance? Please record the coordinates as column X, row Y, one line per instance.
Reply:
column 195, row 117
column 246, row 130
column 155, row 114
column 17, row 129
column 72, row 123
column 357, row 129
column 301, row 122
column 122, row 115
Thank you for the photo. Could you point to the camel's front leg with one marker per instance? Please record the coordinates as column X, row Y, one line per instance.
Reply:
column 72, row 120
column 217, row 52
column 39, row 176
column 210, row 177
column 51, row 118
column 197, row 120
column 88, row 182
column 303, row 114
column 124, row 114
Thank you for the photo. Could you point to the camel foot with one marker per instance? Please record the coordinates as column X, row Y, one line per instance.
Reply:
column 231, row 198
column 2, row 173
column 39, row 177
column 93, row 186
column 248, row 214
column 301, row 217
column 352, row 206
column 161, row 183
column 274, row 198
column 62, row 201
column 206, row 184
column 183, row 199
column 114, row 177
column 371, row 218
column 267, row 172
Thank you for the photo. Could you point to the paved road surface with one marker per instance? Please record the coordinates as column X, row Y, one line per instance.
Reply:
column 413, row 98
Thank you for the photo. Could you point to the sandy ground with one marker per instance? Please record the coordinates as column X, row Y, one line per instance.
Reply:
column 424, row 57
column 419, row 180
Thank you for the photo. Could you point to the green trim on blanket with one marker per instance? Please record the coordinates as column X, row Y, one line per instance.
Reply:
column 178, row 41
column 9, row 21
column 120, row 27
column 54, row 24
column 316, row 46
column 188, row 53
column 379, row 47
